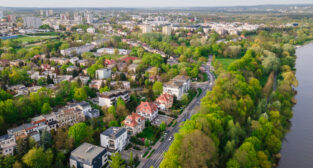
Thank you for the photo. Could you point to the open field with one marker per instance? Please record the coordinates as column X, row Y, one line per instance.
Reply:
column 32, row 39
column 225, row 61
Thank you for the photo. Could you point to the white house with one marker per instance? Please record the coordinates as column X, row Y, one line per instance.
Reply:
column 114, row 139
column 177, row 86
column 134, row 123
column 103, row 73
column 91, row 30
column 109, row 98
column 148, row 110
column 7, row 144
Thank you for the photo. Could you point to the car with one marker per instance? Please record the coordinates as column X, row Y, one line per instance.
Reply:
column 170, row 139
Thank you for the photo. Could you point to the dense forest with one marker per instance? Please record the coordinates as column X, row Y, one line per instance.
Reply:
column 242, row 121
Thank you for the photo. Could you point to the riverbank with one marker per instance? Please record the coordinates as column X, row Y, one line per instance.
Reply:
column 297, row 147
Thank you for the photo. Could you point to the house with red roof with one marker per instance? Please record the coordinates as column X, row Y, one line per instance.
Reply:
column 134, row 124
column 127, row 59
column 45, row 66
column 164, row 101
column 109, row 61
column 148, row 110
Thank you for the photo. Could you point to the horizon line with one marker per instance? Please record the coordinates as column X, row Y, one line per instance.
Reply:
column 304, row 4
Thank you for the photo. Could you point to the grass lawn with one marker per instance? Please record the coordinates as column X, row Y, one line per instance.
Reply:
column 148, row 133
column 225, row 61
column 31, row 39
column 112, row 56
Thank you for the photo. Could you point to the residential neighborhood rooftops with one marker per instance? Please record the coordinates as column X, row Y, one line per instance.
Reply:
column 21, row 127
column 114, row 132
column 147, row 107
column 86, row 152
column 131, row 120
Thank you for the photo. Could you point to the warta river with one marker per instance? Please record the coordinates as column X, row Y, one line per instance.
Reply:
column 297, row 147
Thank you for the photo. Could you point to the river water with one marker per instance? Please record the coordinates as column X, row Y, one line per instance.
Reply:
column 297, row 148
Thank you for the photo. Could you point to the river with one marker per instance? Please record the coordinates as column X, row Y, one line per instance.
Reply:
column 297, row 148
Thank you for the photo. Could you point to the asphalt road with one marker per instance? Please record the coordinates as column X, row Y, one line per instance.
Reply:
column 157, row 157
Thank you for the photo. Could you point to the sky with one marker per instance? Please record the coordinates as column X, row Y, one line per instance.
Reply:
column 144, row 3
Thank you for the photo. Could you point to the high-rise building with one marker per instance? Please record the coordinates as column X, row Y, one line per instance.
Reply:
column 167, row 30
column 89, row 18
column 11, row 18
column 47, row 13
column 32, row 22
column 50, row 12
column 64, row 16
column 146, row 28
column 41, row 13
column 1, row 14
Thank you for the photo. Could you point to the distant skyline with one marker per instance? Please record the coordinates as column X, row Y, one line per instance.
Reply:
column 145, row 3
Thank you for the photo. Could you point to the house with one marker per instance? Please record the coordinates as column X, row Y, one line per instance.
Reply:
column 148, row 110
column 88, row 156
column 45, row 67
column 25, row 130
column 77, row 50
column 72, row 68
column 60, row 61
column 83, row 63
column 113, row 51
column 109, row 62
column 39, row 122
column 69, row 115
column 134, row 124
column 132, row 68
column 177, row 86
column 128, row 59
column 164, row 101
column 120, row 84
column 74, row 60
column 7, row 144
column 51, row 121
column 109, row 98
column 91, row 30
column 103, row 73
column 87, row 110
column 83, row 79
column 62, row 78
column 96, row 84
column 114, row 139
column 18, row 89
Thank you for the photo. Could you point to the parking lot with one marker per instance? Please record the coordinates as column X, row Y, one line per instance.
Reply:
column 162, row 118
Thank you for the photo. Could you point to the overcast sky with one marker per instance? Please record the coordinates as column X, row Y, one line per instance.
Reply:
column 143, row 3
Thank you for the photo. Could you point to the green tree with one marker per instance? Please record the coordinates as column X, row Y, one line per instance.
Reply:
column 80, row 94
column 78, row 132
column 117, row 161
column 38, row 158
column 163, row 126
column 46, row 109
column 131, row 159
column 157, row 88
column 104, row 89
column 45, row 140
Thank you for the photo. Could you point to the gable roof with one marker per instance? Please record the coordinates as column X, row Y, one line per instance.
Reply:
column 147, row 107
column 131, row 120
column 165, row 97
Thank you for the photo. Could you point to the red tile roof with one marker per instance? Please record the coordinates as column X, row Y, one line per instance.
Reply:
column 165, row 97
column 133, row 118
column 109, row 62
column 147, row 107
column 127, row 59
